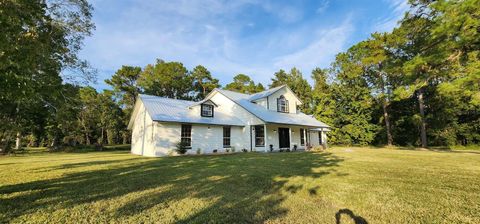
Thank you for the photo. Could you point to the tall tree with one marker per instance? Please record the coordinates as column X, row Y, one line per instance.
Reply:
column 39, row 40
column 353, row 101
column 375, row 60
column 166, row 79
column 124, row 83
column 203, row 81
column 322, row 97
column 244, row 84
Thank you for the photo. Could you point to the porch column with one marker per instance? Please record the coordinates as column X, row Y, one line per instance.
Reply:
column 290, row 137
column 265, row 137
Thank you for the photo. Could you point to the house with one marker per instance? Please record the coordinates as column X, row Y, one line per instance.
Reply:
column 265, row 121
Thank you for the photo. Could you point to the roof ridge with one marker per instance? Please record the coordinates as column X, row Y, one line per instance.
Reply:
column 168, row 98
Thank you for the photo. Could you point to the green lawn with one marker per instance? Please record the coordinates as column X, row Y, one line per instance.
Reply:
column 376, row 185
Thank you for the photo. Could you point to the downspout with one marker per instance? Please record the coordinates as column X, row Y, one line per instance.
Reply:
column 144, row 129
column 251, row 138
column 268, row 104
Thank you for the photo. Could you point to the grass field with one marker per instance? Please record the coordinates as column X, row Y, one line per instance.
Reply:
column 372, row 185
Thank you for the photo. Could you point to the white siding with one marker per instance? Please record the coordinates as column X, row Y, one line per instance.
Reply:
column 292, row 100
column 167, row 135
column 241, row 136
column 142, row 133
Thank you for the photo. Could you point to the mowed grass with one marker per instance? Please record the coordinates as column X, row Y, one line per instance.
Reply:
column 372, row 185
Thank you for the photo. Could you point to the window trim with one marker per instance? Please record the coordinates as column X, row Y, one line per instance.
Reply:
column 302, row 137
column 257, row 130
column 203, row 105
column 229, row 137
column 286, row 106
column 186, row 136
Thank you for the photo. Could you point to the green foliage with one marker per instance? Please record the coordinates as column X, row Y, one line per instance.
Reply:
column 244, row 84
column 39, row 40
column 124, row 83
column 203, row 82
column 181, row 147
column 166, row 79
column 297, row 84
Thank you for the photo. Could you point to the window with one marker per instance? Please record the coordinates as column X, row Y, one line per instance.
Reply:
column 320, row 137
column 207, row 110
column 282, row 104
column 226, row 137
column 302, row 136
column 186, row 135
column 259, row 136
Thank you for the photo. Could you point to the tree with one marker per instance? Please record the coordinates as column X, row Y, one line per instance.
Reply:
column 353, row 101
column 322, row 97
column 111, row 118
column 89, row 118
column 38, row 41
column 297, row 84
column 375, row 62
column 166, row 79
column 244, row 84
column 203, row 81
column 124, row 83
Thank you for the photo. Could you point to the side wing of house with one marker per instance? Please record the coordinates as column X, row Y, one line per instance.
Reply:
column 142, row 127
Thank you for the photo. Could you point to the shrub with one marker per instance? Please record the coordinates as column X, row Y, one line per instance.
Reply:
column 199, row 151
column 181, row 147
column 227, row 150
column 271, row 147
column 215, row 151
column 244, row 150
column 233, row 148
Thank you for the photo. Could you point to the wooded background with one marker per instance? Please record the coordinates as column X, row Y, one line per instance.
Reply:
column 418, row 85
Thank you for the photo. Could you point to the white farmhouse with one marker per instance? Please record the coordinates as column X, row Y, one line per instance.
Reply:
column 265, row 121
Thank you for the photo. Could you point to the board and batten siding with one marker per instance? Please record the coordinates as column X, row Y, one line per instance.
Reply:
column 143, row 132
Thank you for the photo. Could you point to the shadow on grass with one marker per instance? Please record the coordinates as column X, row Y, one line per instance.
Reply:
column 242, row 188
column 356, row 219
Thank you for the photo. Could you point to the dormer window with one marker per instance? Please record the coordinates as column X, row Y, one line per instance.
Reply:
column 282, row 104
column 206, row 110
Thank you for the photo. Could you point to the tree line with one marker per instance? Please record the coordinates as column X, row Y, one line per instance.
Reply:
column 418, row 85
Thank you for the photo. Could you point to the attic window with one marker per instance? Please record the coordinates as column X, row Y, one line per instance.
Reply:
column 282, row 104
column 207, row 110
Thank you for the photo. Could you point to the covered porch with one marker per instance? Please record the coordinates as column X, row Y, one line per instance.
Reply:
column 282, row 137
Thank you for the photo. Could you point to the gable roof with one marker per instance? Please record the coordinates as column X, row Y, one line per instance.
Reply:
column 269, row 116
column 271, row 91
column 173, row 110
column 265, row 93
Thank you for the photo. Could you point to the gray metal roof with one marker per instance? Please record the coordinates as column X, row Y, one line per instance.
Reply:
column 270, row 116
column 172, row 110
column 265, row 93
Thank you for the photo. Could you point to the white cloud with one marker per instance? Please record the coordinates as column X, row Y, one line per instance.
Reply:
column 323, row 6
column 319, row 52
column 386, row 24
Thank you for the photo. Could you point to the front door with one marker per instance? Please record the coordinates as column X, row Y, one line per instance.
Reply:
column 284, row 137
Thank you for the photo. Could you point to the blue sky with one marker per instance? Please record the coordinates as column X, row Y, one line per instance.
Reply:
column 252, row 37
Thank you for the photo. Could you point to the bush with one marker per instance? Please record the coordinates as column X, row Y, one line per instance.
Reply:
column 233, row 149
column 199, row 151
column 181, row 147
